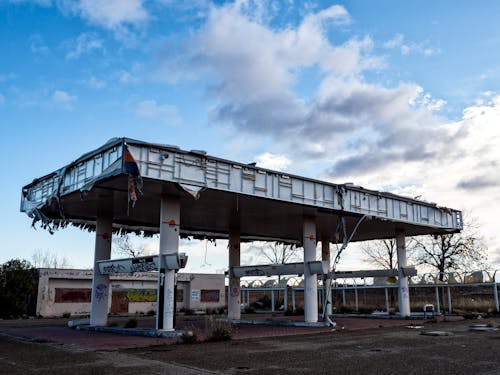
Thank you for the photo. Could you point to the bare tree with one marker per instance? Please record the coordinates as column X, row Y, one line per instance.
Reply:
column 382, row 253
column 47, row 259
column 277, row 253
column 453, row 252
column 123, row 246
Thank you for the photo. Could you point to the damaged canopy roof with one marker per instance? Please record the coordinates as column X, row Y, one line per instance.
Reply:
column 128, row 177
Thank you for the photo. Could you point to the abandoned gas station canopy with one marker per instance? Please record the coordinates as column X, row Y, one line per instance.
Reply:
column 128, row 178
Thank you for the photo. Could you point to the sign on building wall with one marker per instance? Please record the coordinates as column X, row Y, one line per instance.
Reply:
column 195, row 295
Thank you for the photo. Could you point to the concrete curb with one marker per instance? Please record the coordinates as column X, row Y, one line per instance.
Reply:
column 282, row 324
column 131, row 331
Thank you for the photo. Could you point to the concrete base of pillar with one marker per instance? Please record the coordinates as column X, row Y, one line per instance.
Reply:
column 234, row 293
column 101, row 293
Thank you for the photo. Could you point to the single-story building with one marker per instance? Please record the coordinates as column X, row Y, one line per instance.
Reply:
column 68, row 291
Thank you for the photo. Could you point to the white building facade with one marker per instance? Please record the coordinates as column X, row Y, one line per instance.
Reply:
column 68, row 292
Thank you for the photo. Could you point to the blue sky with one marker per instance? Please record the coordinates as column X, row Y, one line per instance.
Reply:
column 391, row 95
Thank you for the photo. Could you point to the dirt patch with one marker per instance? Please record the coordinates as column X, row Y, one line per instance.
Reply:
column 387, row 350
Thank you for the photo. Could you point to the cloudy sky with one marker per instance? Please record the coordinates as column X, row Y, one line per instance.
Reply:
column 390, row 95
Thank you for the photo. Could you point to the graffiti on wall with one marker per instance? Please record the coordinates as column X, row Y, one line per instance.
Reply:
column 143, row 265
column 83, row 295
column 101, row 292
column 141, row 295
column 114, row 268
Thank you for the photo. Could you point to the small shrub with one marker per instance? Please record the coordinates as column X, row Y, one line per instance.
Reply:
column 131, row 323
column 219, row 310
column 150, row 313
column 470, row 315
column 189, row 337
column 299, row 310
column 345, row 309
column 218, row 330
column 290, row 312
column 66, row 315
column 365, row 310
column 249, row 310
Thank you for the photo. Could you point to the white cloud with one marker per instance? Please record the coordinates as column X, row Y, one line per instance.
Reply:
column 272, row 161
column 63, row 99
column 395, row 42
column 126, row 77
column 398, row 42
column 110, row 14
column 95, row 82
column 165, row 113
column 348, row 129
column 426, row 100
column 253, row 68
column 7, row 77
column 85, row 43
column 463, row 174
column 133, row 75
column 37, row 45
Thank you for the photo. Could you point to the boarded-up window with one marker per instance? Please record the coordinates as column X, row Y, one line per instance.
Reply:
column 179, row 297
column 210, row 295
column 72, row 295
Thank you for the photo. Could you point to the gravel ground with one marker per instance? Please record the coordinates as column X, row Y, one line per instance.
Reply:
column 384, row 350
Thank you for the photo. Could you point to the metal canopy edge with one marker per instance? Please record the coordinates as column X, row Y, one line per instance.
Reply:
column 217, row 193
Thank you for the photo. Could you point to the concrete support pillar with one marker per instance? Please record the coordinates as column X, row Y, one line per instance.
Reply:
column 170, row 215
column 310, row 280
column 325, row 257
column 285, row 299
column 101, row 290
column 356, row 299
column 403, row 292
column 495, row 296
column 438, row 306
column 233, row 300
column 450, row 307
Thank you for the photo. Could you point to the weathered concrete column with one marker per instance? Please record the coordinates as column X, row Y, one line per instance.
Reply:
column 233, row 298
column 403, row 292
column 325, row 257
column 170, row 215
column 99, row 305
column 310, row 280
